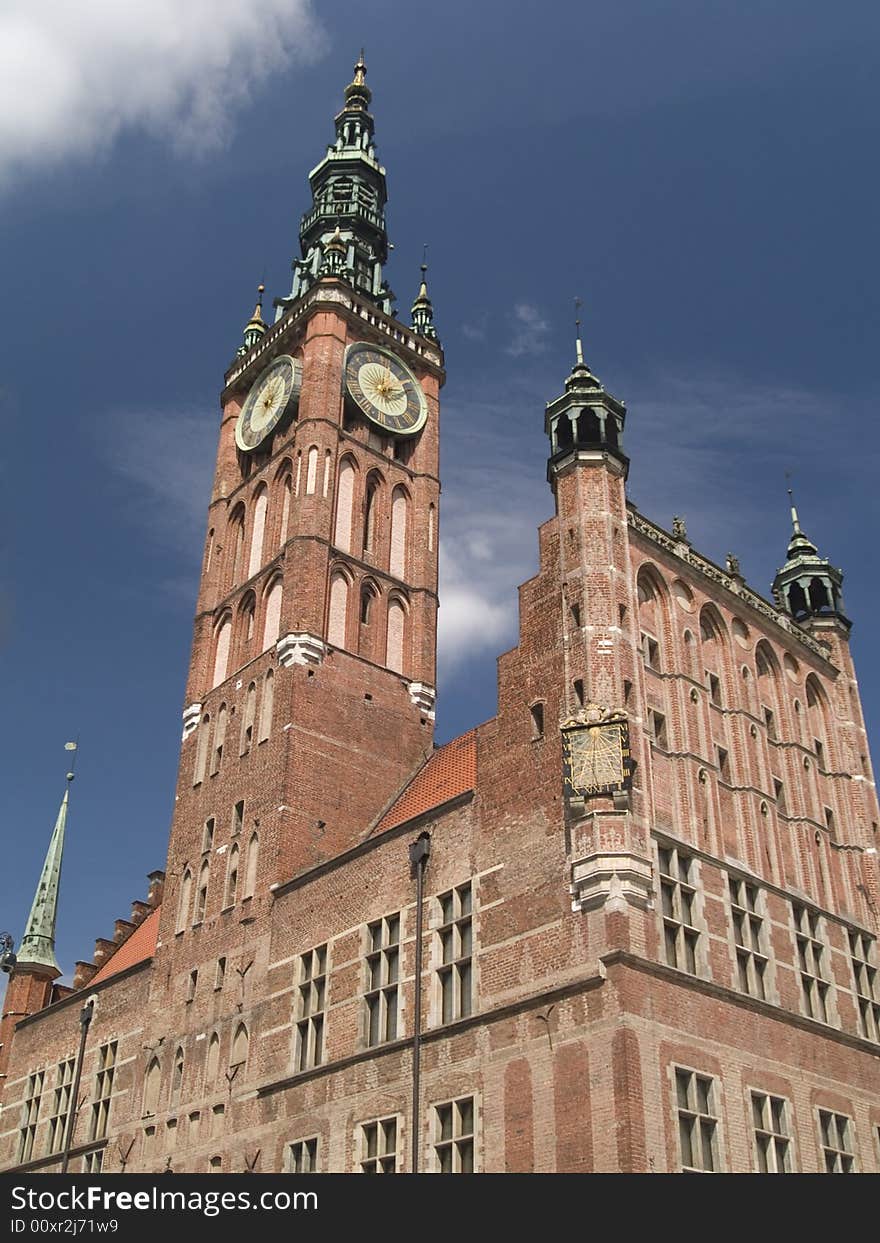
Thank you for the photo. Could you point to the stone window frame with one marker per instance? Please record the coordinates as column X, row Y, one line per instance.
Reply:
column 311, row 1007
column 837, row 1157
column 812, row 959
column 60, row 1108
column 105, row 1076
column 301, row 1156
column 673, row 887
column 454, row 926
column 374, row 1154
column 771, row 1122
column 382, row 979
column 461, row 1145
column 687, row 1082
column 749, row 936
column 866, row 981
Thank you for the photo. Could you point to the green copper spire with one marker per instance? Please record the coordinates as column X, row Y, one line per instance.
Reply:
column 423, row 311
column 255, row 327
column 807, row 586
column 586, row 418
column 37, row 948
column 348, row 207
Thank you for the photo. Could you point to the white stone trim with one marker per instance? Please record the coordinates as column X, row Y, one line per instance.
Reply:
column 300, row 649
column 191, row 716
column 423, row 696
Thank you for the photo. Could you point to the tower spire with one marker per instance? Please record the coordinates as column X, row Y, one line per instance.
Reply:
column 807, row 586
column 422, row 309
column 37, row 948
column 255, row 327
column 348, row 200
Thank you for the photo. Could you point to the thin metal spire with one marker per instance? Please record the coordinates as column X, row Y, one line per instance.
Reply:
column 579, row 349
column 794, row 513
column 37, row 946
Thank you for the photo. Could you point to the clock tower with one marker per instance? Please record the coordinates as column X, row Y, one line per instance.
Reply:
column 310, row 695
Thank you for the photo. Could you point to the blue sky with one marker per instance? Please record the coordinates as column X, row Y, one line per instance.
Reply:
column 702, row 173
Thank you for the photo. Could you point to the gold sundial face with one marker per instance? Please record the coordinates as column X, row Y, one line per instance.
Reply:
column 596, row 758
column 384, row 389
column 270, row 397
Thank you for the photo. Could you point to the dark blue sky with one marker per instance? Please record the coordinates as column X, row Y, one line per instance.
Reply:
column 703, row 174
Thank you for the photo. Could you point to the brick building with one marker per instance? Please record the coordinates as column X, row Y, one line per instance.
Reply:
column 649, row 884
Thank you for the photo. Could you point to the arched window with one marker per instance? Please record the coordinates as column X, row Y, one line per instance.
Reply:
column 272, row 624
column 221, row 650
column 652, row 618
column 368, row 595
column 219, row 740
column 432, row 519
column 267, row 704
column 235, row 543
column 371, row 500
column 248, row 718
column 537, row 714
column 398, row 532
column 247, row 614
column 185, row 899
column 336, row 624
column 202, row 751
column 768, row 688
column 285, row 511
column 231, row 895
column 177, row 1077
column 152, row 1082
column 202, row 892
column 312, row 471
column 250, row 872
column 299, row 462
column 212, row 1063
column 344, row 501
column 818, row 722
column 260, row 507
column 394, row 641
column 209, row 550
column 328, row 459
column 240, row 1042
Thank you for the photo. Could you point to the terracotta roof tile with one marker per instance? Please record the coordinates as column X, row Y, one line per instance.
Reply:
column 450, row 771
column 140, row 946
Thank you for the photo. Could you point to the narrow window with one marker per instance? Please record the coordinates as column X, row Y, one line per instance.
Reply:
column 678, row 902
column 344, row 502
column 202, row 751
column 30, row 1115
column 202, row 892
column 779, row 794
column 431, row 524
column 152, row 1080
column 185, row 899
column 328, row 458
column 366, row 605
column 772, row 1133
column 267, row 705
column 537, row 715
column 836, row 1135
column 311, row 1000
column 61, row 1104
column 285, row 511
column 770, row 722
column 370, row 504
column 212, row 1063
column 455, row 946
column 454, row 1136
column 697, row 1121
column 302, row 1157
column 219, row 740
column 579, row 692
column 398, row 532
column 192, row 985
column 177, row 1077
column 336, row 627
column 208, row 835
column 247, row 720
column 863, row 956
column 220, row 974
column 378, row 1146
column 240, row 1043
column 272, row 624
column 748, row 936
column 651, row 652
column 298, row 473
column 723, row 764
column 576, row 615
column 312, row 471
column 237, row 818
column 250, row 875
column 260, row 507
column 811, row 954
column 382, row 976
column 714, row 688
column 394, row 641
column 658, row 728
column 221, row 651
column 231, row 894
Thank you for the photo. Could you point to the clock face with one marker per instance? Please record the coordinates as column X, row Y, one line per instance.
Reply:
column 267, row 402
column 597, row 758
column 385, row 389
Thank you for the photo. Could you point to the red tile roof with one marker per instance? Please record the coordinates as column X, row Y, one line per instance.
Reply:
column 451, row 770
column 140, row 946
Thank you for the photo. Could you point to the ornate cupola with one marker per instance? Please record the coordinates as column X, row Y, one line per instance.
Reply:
column 255, row 327
column 423, row 311
column 586, row 419
column 808, row 586
column 348, row 207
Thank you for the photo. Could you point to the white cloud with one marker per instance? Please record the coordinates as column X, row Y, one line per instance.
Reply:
column 530, row 331
column 73, row 76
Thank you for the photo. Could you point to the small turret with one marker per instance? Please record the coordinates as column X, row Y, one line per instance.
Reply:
column 808, row 586
column 423, row 311
column 255, row 327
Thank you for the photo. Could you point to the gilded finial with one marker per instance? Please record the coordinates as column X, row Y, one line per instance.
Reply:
column 357, row 93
